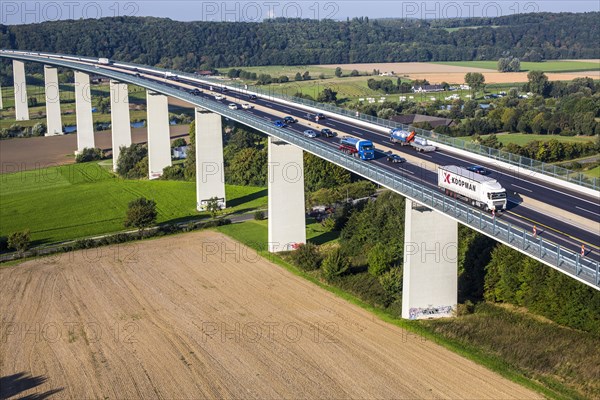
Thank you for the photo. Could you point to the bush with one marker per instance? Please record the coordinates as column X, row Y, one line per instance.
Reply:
column 133, row 162
column 380, row 259
column 179, row 142
column 89, row 154
column 335, row 264
column 259, row 215
column 173, row 173
column 19, row 241
column 141, row 213
column 307, row 257
column 391, row 282
column 3, row 243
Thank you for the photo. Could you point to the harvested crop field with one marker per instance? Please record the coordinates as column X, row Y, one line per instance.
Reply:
column 438, row 73
column 198, row 316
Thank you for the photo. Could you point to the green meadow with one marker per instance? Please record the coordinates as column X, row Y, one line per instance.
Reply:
column 81, row 200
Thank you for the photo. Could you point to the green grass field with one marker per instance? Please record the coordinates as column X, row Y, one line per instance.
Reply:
column 68, row 202
column 545, row 66
column 290, row 71
column 524, row 138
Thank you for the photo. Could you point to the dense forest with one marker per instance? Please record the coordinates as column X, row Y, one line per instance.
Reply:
column 203, row 45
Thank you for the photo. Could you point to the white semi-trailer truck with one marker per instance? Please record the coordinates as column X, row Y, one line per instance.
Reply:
column 478, row 190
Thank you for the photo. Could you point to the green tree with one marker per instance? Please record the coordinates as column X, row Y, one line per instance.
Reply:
column 380, row 258
column 354, row 73
column 179, row 142
column 327, row 96
column 133, row 162
column 475, row 80
column 306, row 76
column 298, row 76
column 19, row 241
column 335, row 265
column 307, row 257
column 141, row 214
column 538, row 83
column 338, row 72
column 189, row 165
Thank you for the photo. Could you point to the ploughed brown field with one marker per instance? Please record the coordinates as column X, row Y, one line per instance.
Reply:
column 200, row 316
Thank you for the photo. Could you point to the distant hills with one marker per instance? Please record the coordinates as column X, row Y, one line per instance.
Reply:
column 203, row 45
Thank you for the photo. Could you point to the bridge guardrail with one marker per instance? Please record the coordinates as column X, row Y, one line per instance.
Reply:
column 552, row 254
column 495, row 154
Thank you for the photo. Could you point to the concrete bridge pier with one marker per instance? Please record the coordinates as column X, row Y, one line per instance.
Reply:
column 83, row 110
column 210, row 174
column 159, row 137
column 430, row 264
column 53, row 112
column 1, row 104
column 287, row 221
column 21, row 100
column 119, row 118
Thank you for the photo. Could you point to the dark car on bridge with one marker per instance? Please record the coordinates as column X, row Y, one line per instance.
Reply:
column 326, row 132
column 478, row 170
column 279, row 123
column 289, row 120
column 395, row 158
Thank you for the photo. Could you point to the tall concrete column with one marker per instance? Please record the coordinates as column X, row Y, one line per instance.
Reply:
column 286, row 222
column 119, row 117
column 53, row 117
column 159, row 138
column 83, row 110
column 210, row 175
column 21, row 106
column 1, row 104
column 430, row 264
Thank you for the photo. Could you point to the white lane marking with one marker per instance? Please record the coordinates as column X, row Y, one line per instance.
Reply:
column 591, row 212
column 425, row 155
column 287, row 111
column 358, row 133
column 405, row 170
column 522, row 188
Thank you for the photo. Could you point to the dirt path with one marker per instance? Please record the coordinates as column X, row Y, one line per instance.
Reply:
column 199, row 316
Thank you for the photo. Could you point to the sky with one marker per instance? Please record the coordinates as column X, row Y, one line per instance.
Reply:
column 28, row 11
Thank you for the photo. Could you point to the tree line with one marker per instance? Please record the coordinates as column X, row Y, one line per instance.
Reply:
column 204, row 45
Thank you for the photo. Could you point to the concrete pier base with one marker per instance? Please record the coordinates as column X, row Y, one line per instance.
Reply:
column 210, row 174
column 287, row 221
column 119, row 118
column 21, row 104
column 83, row 110
column 159, row 139
column 430, row 264
column 53, row 112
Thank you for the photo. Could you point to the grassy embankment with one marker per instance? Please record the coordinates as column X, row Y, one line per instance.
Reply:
column 82, row 200
column 558, row 362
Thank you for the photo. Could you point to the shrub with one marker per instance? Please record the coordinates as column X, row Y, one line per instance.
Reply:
column 89, row 154
column 133, row 162
column 335, row 264
column 179, row 142
column 19, row 241
column 141, row 213
column 3, row 243
column 307, row 257
column 259, row 215
column 391, row 282
column 380, row 259
column 173, row 173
